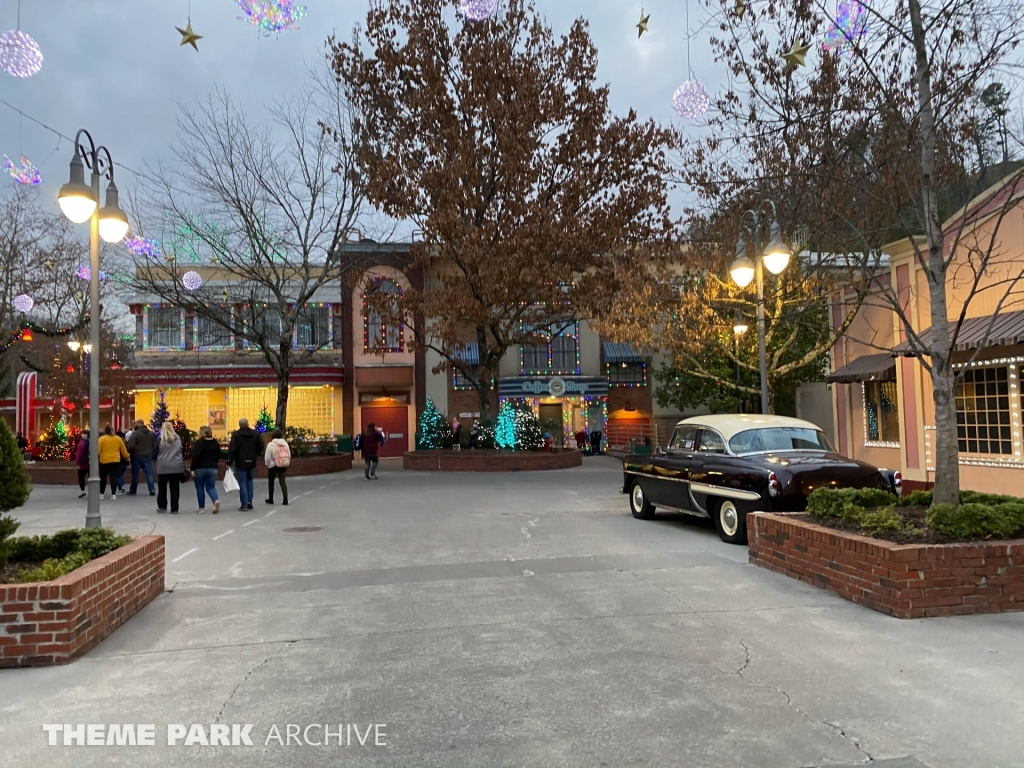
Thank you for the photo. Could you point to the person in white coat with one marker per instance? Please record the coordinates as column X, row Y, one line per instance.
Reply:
column 277, row 457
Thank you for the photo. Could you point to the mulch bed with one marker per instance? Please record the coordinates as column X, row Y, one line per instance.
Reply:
column 912, row 517
column 10, row 572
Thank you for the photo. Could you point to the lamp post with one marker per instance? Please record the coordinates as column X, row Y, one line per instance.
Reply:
column 739, row 327
column 776, row 258
column 80, row 202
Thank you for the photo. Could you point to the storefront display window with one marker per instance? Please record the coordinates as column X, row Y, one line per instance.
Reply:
column 881, row 413
column 983, row 411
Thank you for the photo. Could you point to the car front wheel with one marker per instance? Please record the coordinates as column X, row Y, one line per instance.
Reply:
column 639, row 505
column 730, row 523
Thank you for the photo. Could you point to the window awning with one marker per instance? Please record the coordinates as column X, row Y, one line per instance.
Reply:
column 468, row 353
column 867, row 368
column 1005, row 330
column 615, row 352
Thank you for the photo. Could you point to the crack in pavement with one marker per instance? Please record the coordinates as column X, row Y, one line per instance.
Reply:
column 249, row 674
column 671, row 594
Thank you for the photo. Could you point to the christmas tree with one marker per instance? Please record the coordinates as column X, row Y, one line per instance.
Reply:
column 59, row 443
column 187, row 436
column 435, row 431
column 14, row 483
column 518, row 429
column 161, row 414
column 265, row 422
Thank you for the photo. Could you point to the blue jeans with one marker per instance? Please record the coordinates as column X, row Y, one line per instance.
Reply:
column 245, row 485
column 145, row 463
column 206, row 483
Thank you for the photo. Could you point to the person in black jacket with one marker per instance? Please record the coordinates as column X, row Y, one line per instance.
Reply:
column 205, row 458
column 243, row 450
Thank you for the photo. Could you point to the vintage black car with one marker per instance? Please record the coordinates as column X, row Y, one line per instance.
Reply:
column 725, row 466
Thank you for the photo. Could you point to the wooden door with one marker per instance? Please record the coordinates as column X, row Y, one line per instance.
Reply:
column 394, row 420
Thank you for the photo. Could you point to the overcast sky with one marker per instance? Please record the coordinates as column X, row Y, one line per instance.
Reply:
column 116, row 67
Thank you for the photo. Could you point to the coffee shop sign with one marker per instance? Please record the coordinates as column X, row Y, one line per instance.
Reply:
column 556, row 387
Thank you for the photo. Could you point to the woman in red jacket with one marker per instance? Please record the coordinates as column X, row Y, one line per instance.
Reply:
column 370, row 446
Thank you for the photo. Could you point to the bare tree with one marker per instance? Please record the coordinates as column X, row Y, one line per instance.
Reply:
column 267, row 210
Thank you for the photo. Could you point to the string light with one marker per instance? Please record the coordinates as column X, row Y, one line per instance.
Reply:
column 20, row 55
column 25, row 332
column 24, row 303
column 26, row 174
column 192, row 281
column 142, row 246
column 380, row 342
column 272, row 15
column 477, row 10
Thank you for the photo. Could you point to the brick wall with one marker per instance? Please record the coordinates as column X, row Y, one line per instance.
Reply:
column 906, row 581
column 489, row 461
column 54, row 622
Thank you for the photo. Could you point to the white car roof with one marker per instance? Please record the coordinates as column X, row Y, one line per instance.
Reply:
column 731, row 424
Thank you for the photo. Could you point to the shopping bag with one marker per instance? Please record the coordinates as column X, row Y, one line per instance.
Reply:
column 230, row 483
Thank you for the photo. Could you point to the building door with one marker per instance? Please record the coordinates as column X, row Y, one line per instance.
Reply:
column 554, row 413
column 394, row 420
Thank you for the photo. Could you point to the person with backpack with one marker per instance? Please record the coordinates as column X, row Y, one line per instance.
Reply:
column 244, row 449
column 205, row 458
column 370, row 445
column 278, row 458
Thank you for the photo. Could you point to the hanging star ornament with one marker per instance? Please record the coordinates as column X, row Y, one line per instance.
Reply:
column 741, row 8
column 797, row 54
column 643, row 26
column 188, row 37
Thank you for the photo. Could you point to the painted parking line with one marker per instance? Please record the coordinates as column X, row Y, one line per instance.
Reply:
column 270, row 513
column 226, row 533
column 246, row 525
column 182, row 557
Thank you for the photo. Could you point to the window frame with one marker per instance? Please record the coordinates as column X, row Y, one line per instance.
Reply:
column 147, row 344
column 565, row 331
column 1004, row 426
column 328, row 327
column 198, row 329
column 382, row 332
column 629, row 367
column 883, row 439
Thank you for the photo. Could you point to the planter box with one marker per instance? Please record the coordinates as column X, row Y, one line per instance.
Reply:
column 64, row 473
column 907, row 581
column 442, row 460
column 54, row 622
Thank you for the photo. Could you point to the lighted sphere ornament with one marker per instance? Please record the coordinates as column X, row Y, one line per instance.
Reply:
column 24, row 303
column 19, row 54
column 142, row 246
column 272, row 15
column 26, row 174
column 691, row 100
column 85, row 273
column 850, row 26
column 192, row 281
column 477, row 10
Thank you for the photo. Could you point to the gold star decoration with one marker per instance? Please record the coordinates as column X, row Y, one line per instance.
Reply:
column 188, row 37
column 225, row 295
column 741, row 8
column 797, row 54
column 642, row 26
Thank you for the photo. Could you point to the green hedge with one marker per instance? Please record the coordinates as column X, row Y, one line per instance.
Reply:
column 978, row 516
column 62, row 552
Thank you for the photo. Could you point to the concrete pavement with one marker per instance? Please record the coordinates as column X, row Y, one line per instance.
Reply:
column 521, row 619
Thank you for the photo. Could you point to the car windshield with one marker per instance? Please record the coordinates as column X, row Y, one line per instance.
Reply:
column 779, row 439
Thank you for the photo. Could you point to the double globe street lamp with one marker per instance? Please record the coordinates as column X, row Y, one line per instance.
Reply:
column 775, row 257
column 80, row 202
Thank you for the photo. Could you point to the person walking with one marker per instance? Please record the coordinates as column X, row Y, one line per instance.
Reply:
column 371, row 445
column 82, row 461
column 123, row 464
column 205, row 458
column 140, row 448
column 112, row 450
column 169, row 468
column 278, row 458
column 243, row 450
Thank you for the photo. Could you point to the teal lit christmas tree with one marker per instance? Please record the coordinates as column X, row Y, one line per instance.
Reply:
column 264, row 422
column 518, row 429
column 160, row 415
column 435, row 431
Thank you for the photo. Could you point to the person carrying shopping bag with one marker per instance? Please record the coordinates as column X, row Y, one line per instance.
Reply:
column 169, row 468
column 278, row 458
column 205, row 458
column 112, row 452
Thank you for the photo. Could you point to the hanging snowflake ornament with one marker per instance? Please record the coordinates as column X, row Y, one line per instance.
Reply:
column 142, row 246
column 20, row 55
column 24, row 303
column 691, row 100
column 850, row 26
column 272, row 15
column 477, row 10
column 192, row 281
column 26, row 174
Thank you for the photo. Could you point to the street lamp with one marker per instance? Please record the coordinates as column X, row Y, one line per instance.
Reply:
column 775, row 256
column 80, row 203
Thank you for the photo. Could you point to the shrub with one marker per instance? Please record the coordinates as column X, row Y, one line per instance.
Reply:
column 883, row 520
column 846, row 504
column 915, row 499
column 300, row 440
column 94, row 542
column 14, row 482
column 485, row 438
column 54, row 568
column 326, row 445
column 8, row 526
column 991, row 499
column 976, row 521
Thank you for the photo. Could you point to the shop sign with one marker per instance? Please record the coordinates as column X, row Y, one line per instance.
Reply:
column 556, row 387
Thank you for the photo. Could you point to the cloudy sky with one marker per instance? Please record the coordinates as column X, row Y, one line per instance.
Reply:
column 116, row 67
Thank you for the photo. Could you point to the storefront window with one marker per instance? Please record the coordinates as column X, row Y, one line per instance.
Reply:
column 627, row 374
column 882, row 412
column 211, row 333
column 164, row 328
column 313, row 328
column 983, row 411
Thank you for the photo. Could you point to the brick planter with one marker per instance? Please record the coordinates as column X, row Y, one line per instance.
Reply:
column 54, row 622
column 64, row 473
column 907, row 581
column 490, row 461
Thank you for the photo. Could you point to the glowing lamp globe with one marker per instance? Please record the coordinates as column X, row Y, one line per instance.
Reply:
column 20, row 55
column 740, row 327
column 691, row 100
column 113, row 225
column 477, row 10
column 77, row 202
column 192, row 281
column 24, row 303
column 776, row 261
column 742, row 271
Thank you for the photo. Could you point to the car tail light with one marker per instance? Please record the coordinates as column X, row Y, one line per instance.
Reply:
column 897, row 483
column 774, row 486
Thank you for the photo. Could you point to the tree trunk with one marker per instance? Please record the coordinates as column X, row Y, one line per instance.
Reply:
column 484, row 390
column 283, row 377
column 947, row 456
